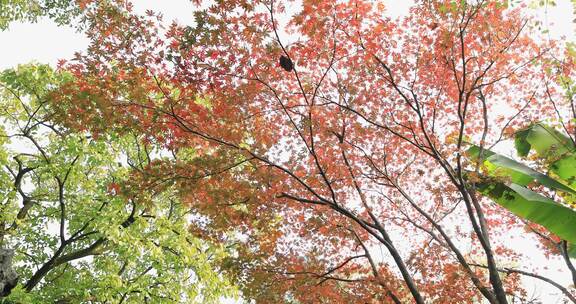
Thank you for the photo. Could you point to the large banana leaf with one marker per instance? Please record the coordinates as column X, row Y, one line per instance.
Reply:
column 534, row 207
column 565, row 169
column 497, row 165
column 505, row 180
column 545, row 140
column 554, row 148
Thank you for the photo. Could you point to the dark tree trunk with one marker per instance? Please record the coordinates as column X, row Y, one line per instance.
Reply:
column 8, row 277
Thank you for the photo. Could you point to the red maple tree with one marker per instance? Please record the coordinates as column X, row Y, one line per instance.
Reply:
column 340, row 180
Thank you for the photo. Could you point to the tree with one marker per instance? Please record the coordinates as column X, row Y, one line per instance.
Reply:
column 79, row 229
column 360, row 147
column 61, row 11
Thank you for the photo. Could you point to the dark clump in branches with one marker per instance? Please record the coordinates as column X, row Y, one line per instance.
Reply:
column 286, row 63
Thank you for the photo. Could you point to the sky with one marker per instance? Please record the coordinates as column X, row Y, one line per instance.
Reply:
column 45, row 42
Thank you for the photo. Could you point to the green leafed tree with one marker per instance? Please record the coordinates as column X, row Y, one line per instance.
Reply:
column 79, row 231
column 61, row 11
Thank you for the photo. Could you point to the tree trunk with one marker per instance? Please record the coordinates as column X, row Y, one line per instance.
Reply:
column 8, row 277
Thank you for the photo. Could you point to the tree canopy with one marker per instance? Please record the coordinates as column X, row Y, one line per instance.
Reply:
column 307, row 152
column 61, row 11
column 79, row 230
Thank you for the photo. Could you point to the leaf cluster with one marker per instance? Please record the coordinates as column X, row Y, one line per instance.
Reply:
column 78, row 236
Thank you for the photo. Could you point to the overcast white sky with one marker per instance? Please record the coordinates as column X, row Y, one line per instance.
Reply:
column 45, row 42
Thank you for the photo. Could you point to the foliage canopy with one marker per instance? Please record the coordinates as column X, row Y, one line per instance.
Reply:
column 80, row 232
column 327, row 147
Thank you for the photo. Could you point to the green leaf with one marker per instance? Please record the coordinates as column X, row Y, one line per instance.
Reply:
column 565, row 168
column 548, row 142
column 534, row 207
column 521, row 143
column 572, row 250
column 498, row 165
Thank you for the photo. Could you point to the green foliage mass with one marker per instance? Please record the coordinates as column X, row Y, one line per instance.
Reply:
column 515, row 185
column 61, row 11
column 79, row 236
